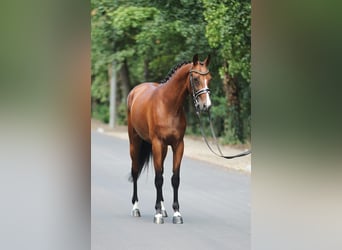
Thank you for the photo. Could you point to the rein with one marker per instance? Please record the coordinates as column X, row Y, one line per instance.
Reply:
column 220, row 154
column 197, row 93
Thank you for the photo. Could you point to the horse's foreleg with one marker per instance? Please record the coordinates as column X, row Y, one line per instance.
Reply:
column 175, row 179
column 159, row 152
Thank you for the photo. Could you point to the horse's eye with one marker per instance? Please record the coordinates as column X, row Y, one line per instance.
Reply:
column 196, row 81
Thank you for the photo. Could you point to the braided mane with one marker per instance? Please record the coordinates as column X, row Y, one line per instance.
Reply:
column 172, row 71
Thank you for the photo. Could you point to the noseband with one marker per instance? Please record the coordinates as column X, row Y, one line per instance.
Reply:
column 196, row 94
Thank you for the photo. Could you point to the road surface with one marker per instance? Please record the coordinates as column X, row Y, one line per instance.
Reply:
column 214, row 202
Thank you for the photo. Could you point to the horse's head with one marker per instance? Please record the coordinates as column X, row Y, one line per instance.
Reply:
column 199, row 81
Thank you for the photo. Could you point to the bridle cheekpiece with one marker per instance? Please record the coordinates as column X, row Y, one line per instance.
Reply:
column 196, row 94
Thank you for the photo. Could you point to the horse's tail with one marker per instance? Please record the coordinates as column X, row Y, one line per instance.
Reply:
column 145, row 155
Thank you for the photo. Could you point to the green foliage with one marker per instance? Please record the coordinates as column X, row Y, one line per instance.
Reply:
column 152, row 36
column 122, row 114
column 219, row 113
column 129, row 23
column 101, row 112
column 101, row 54
column 228, row 30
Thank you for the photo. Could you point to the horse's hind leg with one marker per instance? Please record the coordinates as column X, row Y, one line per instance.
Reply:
column 135, row 143
column 175, row 179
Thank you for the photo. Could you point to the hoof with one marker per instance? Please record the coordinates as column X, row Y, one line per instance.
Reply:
column 164, row 213
column 177, row 220
column 136, row 213
column 158, row 219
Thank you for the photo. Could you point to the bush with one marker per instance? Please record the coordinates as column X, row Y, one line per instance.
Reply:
column 100, row 111
column 122, row 114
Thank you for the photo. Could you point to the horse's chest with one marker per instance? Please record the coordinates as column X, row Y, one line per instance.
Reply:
column 171, row 128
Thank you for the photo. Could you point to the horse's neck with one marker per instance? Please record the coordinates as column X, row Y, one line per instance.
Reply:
column 176, row 88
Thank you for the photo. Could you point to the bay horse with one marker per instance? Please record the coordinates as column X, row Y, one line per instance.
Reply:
column 156, row 120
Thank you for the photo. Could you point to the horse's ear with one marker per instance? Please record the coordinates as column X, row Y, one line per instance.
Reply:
column 207, row 61
column 195, row 59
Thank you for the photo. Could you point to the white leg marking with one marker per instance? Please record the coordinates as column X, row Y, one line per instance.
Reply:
column 158, row 215
column 177, row 214
column 162, row 206
column 135, row 206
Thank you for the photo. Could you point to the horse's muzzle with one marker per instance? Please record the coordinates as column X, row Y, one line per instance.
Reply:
column 204, row 103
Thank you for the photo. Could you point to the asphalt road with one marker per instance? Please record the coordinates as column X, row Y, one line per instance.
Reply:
column 214, row 203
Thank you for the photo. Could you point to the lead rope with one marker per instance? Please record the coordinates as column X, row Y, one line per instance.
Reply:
column 215, row 140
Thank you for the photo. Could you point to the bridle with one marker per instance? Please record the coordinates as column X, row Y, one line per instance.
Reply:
column 196, row 94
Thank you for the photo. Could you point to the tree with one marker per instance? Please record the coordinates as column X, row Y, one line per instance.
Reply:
column 101, row 56
column 228, row 31
column 146, row 38
column 128, row 22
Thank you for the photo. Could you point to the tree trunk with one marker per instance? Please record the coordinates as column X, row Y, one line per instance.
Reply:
column 146, row 71
column 112, row 97
column 232, row 90
column 125, row 81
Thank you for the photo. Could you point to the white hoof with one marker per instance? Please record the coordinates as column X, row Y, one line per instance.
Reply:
column 177, row 218
column 158, row 218
column 136, row 213
column 135, row 210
